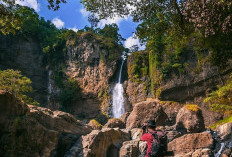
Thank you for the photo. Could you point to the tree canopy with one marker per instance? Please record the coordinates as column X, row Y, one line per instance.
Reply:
column 11, row 21
column 173, row 28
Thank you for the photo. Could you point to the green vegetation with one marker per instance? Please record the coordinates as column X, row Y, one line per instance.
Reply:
column 221, row 99
column 95, row 123
column 138, row 66
column 102, row 118
column 17, row 84
column 69, row 89
column 172, row 30
column 192, row 107
column 221, row 122
column 11, row 21
column 54, row 43
column 69, row 93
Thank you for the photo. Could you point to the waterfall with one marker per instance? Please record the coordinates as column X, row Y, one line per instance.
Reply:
column 218, row 154
column 49, row 85
column 118, row 100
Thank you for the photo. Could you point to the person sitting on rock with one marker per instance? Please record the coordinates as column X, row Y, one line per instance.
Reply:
column 156, row 140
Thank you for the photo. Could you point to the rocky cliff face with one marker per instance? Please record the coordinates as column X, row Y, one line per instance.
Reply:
column 137, row 86
column 188, row 88
column 91, row 63
column 87, row 59
column 26, row 55
column 193, row 85
column 88, row 62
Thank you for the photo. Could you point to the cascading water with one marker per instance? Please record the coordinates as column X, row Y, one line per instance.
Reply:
column 49, row 85
column 118, row 100
column 218, row 154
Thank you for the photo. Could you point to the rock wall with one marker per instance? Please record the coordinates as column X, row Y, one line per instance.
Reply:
column 88, row 62
column 25, row 54
column 92, row 65
column 137, row 86
column 86, row 58
column 188, row 88
column 192, row 85
column 192, row 88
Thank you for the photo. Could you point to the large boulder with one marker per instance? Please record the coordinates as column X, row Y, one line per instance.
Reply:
column 225, row 131
column 130, row 149
column 115, row 123
column 135, row 133
column 144, row 111
column 190, row 119
column 106, row 142
column 57, row 120
column 189, row 143
column 124, row 117
column 197, row 153
column 171, row 109
column 35, row 131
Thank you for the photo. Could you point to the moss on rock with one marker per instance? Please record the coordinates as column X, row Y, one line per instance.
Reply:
column 95, row 124
column 192, row 107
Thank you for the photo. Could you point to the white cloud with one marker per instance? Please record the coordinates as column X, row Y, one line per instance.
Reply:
column 84, row 12
column 133, row 40
column 75, row 29
column 116, row 20
column 103, row 22
column 30, row 3
column 58, row 23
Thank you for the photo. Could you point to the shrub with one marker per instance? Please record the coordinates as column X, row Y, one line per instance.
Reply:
column 95, row 124
column 221, row 99
column 69, row 93
column 14, row 82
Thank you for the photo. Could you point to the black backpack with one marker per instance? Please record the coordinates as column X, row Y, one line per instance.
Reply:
column 159, row 144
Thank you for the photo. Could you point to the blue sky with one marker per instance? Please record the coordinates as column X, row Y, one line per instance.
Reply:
column 72, row 15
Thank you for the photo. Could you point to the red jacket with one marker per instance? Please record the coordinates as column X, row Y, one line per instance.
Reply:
column 148, row 137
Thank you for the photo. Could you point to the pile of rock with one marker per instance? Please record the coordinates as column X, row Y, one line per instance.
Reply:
column 35, row 131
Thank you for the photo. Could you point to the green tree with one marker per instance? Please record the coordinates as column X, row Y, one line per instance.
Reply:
column 214, row 21
column 17, row 84
column 69, row 93
column 221, row 99
column 111, row 31
column 10, row 21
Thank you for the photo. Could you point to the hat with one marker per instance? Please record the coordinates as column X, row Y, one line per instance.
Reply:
column 151, row 123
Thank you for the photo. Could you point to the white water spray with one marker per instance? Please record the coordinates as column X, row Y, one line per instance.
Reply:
column 118, row 100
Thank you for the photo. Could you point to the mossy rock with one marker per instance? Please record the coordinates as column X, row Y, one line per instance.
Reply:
column 115, row 123
column 95, row 124
column 190, row 119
